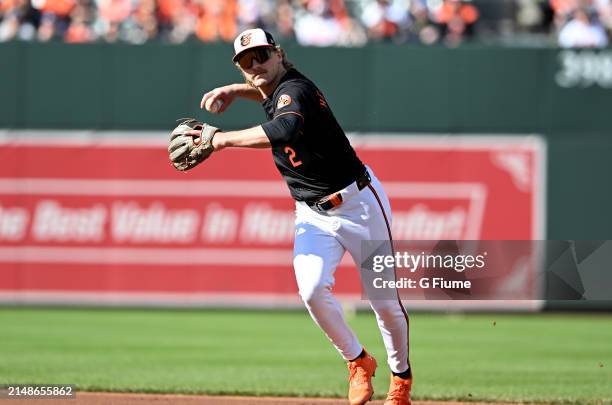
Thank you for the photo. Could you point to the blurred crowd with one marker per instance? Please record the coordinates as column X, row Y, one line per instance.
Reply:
column 583, row 24
column 571, row 23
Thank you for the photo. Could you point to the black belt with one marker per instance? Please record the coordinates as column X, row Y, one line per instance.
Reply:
column 335, row 199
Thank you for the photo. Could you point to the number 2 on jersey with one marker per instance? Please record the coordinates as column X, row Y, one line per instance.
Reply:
column 289, row 150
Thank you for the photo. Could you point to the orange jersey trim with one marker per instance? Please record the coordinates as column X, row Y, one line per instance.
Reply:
column 291, row 112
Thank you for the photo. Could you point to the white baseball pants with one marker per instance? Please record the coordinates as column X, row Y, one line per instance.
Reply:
column 321, row 239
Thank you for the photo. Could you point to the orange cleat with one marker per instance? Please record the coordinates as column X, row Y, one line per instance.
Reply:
column 399, row 391
column 361, row 372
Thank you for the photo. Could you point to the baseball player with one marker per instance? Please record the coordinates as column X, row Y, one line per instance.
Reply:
column 339, row 201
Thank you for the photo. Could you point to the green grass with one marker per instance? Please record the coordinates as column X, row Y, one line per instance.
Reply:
column 488, row 357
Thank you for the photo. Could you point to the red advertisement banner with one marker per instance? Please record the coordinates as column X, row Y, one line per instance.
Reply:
column 109, row 215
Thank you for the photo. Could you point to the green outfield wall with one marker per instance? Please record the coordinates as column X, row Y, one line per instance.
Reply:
column 564, row 95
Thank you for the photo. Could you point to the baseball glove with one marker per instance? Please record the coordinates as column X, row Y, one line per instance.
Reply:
column 188, row 150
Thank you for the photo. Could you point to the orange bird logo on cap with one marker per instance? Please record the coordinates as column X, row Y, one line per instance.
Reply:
column 245, row 39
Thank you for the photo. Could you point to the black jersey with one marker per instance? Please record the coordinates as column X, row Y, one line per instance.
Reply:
column 309, row 147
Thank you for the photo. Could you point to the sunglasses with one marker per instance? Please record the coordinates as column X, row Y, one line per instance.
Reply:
column 261, row 55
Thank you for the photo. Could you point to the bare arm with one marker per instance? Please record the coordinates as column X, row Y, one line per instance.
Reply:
column 245, row 91
column 227, row 94
column 247, row 138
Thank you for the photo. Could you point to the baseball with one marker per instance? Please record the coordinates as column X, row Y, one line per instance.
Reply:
column 214, row 107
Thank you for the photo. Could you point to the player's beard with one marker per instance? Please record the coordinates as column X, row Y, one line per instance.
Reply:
column 246, row 79
column 267, row 80
column 262, row 79
column 269, row 76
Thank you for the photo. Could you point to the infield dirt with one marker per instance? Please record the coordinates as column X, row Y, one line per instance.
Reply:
column 104, row 398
